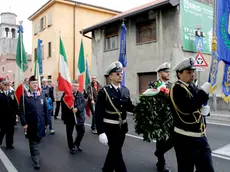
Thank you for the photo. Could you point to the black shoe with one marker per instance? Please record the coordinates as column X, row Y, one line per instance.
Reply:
column 72, row 150
column 55, row 117
column 37, row 166
column 9, row 147
column 164, row 169
column 79, row 148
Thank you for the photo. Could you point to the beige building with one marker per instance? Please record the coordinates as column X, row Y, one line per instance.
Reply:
column 66, row 18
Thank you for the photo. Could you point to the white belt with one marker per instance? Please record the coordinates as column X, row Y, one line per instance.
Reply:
column 189, row 133
column 110, row 121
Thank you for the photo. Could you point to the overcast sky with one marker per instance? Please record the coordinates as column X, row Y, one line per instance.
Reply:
column 24, row 8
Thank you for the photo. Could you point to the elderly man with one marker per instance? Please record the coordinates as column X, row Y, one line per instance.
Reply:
column 75, row 117
column 33, row 112
column 112, row 104
column 92, row 92
column 189, row 137
column 8, row 109
column 162, row 146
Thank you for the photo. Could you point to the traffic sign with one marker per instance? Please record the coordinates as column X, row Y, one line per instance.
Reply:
column 200, row 69
column 200, row 60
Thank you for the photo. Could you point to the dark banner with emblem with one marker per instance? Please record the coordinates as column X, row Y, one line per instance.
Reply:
column 223, row 42
column 226, row 83
column 213, row 70
column 122, row 56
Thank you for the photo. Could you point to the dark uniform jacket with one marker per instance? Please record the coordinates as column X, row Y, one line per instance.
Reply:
column 189, row 104
column 79, row 103
column 121, row 101
column 8, row 109
column 34, row 114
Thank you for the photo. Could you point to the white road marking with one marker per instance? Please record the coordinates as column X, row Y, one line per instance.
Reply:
column 216, row 123
column 221, row 156
column 7, row 163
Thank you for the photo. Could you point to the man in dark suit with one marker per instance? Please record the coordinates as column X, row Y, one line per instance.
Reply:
column 75, row 117
column 112, row 104
column 189, row 108
column 33, row 112
column 162, row 146
column 8, row 109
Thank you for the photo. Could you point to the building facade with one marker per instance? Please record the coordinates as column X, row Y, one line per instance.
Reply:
column 153, row 37
column 64, row 18
column 8, row 46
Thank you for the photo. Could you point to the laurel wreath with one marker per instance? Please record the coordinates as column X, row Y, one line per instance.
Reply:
column 223, row 30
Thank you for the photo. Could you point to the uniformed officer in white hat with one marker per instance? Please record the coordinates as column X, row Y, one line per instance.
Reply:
column 190, row 142
column 113, row 102
column 162, row 146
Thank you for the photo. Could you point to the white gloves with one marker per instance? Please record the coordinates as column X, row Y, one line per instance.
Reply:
column 206, row 87
column 205, row 110
column 103, row 138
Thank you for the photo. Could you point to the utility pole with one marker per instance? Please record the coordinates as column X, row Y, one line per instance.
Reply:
column 214, row 48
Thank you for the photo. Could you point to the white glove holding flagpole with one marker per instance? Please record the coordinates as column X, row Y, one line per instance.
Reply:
column 103, row 138
column 205, row 110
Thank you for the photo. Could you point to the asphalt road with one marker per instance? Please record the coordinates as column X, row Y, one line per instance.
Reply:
column 138, row 155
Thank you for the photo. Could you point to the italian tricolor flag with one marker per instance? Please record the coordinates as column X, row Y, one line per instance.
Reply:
column 21, row 66
column 81, row 68
column 64, row 83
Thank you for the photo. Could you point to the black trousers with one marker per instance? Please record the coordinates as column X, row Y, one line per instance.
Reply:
column 192, row 152
column 9, row 132
column 162, row 147
column 34, row 150
column 69, row 132
column 114, row 159
column 58, row 104
column 93, row 125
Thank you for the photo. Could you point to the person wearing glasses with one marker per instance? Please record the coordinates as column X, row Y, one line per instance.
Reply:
column 113, row 102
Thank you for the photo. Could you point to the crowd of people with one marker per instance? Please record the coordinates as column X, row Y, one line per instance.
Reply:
column 109, row 106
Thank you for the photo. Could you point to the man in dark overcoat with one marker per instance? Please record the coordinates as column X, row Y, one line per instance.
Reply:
column 33, row 113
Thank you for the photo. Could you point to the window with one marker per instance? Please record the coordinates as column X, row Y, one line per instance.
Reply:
column 35, row 26
column 7, row 31
column 49, row 76
column 42, row 23
column 111, row 41
column 35, row 53
column 146, row 31
column 49, row 49
column 13, row 33
column 50, row 19
column 42, row 53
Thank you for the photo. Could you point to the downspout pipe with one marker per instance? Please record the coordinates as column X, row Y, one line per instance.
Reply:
column 74, row 40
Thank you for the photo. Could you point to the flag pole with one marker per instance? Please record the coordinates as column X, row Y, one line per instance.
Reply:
column 20, row 36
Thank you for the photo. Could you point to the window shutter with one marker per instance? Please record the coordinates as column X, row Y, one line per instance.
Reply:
column 49, row 19
column 44, row 22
